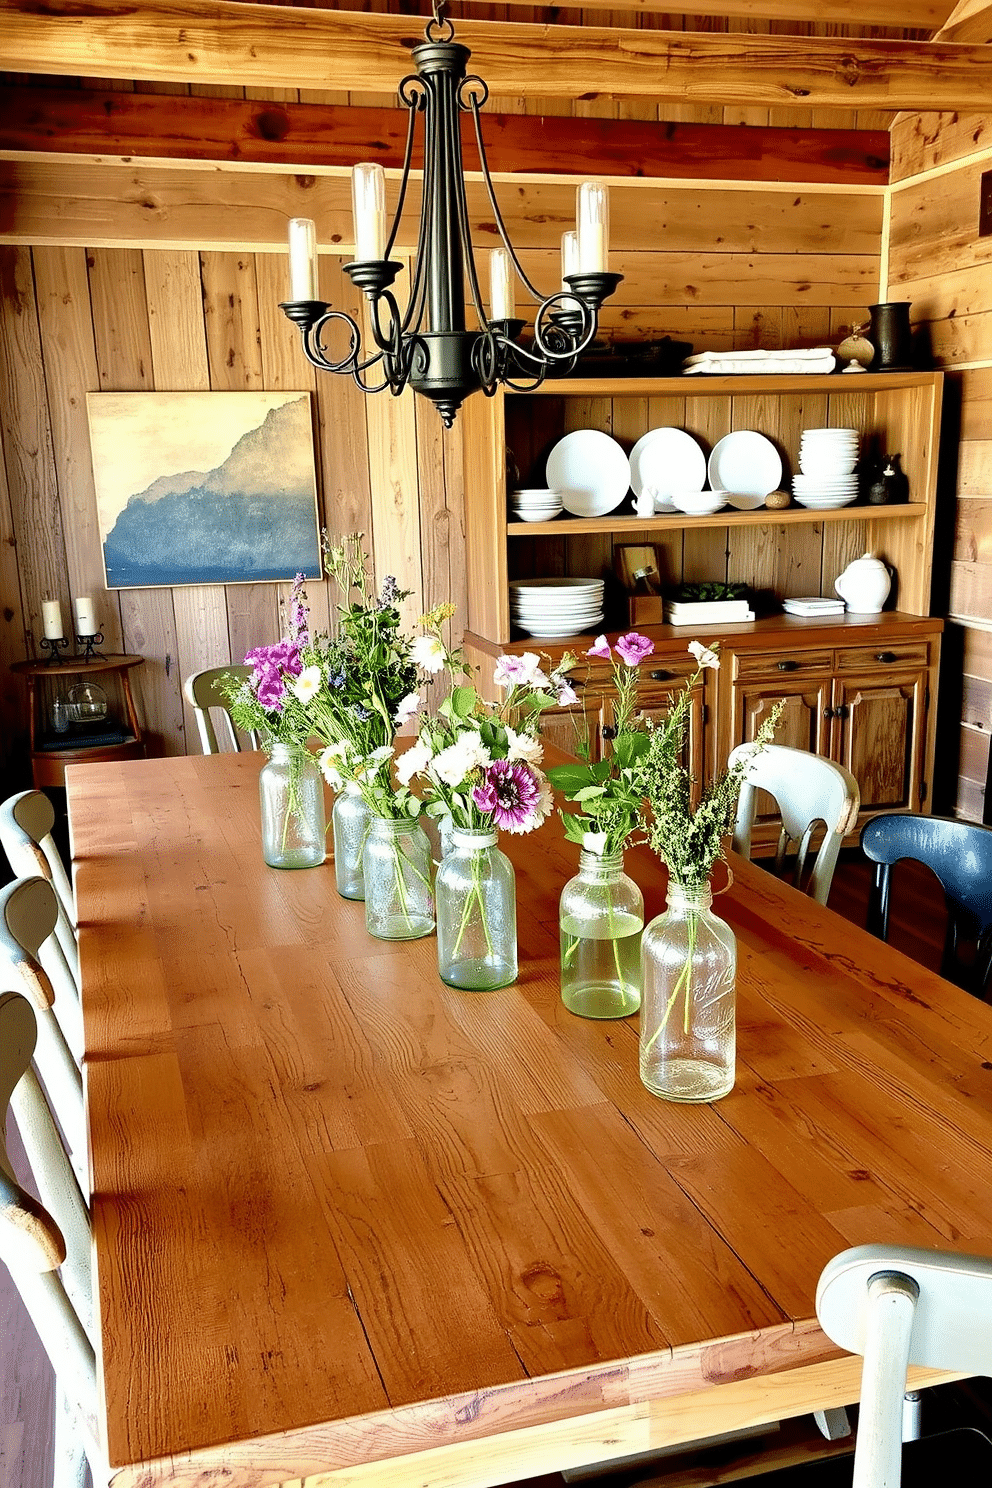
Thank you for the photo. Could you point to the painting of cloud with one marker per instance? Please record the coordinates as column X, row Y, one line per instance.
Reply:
column 204, row 488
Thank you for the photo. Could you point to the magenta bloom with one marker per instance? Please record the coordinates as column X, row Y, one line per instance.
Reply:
column 566, row 695
column 516, row 790
column 484, row 797
column 600, row 647
column 632, row 648
column 299, row 613
column 272, row 665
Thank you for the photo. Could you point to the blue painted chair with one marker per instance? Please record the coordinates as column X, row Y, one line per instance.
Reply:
column 960, row 854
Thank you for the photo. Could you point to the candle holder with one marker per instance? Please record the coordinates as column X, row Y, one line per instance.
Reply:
column 55, row 648
column 89, row 644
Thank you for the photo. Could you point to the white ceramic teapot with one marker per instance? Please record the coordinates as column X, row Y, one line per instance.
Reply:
column 864, row 585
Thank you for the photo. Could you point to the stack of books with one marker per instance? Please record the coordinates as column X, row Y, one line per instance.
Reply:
column 814, row 606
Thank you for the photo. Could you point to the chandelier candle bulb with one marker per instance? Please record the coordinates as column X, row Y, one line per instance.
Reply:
column 502, row 293
column 592, row 220
column 85, row 617
column 569, row 265
column 368, row 200
column 51, row 616
column 302, row 259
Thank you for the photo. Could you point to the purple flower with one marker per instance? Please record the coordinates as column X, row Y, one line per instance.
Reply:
column 600, row 647
column 566, row 694
column 484, row 796
column 517, row 792
column 269, row 687
column 299, row 613
column 632, row 648
column 283, row 655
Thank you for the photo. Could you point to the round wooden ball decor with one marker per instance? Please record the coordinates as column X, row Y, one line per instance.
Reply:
column 777, row 499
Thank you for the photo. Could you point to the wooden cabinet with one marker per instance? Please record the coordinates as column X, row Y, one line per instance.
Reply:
column 858, row 690
column 51, row 753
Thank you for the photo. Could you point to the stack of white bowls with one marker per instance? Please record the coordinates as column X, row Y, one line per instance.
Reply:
column 535, row 505
column 827, row 458
column 556, row 607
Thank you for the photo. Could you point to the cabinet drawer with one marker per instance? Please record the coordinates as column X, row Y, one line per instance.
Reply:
column 772, row 663
column 877, row 658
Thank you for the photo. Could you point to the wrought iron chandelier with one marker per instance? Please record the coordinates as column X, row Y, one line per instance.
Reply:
column 428, row 347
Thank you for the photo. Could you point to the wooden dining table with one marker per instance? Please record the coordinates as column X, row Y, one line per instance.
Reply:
column 355, row 1227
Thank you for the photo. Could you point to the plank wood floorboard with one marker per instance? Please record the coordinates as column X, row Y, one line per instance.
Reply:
column 26, row 1386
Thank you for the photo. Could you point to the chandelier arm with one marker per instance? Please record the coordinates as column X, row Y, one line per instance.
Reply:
column 414, row 316
column 412, row 107
column 466, row 232
column 491, row 192
column 573, row 339
column 315, row 352
column 392, row 344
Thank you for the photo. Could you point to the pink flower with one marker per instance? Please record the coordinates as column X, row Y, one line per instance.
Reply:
column 632, row 648
column 517, row 792
column 484, row 797
column 600, row 647
column 566, row 694
column 518, row 671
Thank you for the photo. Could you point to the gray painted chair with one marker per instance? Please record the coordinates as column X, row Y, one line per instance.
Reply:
column 203, row 692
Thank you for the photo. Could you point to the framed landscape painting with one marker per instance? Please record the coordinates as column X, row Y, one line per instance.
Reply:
column 204, row 488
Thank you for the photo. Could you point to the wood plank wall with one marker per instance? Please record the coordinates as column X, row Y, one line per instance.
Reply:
column 937, row 260
column 124, row 278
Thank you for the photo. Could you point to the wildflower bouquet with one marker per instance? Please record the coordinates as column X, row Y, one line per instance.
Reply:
column 608, row 791
column 267, row 703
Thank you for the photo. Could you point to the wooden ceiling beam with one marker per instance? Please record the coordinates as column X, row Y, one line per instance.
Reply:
column 921, row 15
column 99, row 126
column 215, row 41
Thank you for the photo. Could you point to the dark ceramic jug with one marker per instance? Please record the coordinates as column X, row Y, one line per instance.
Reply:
column 891, row 336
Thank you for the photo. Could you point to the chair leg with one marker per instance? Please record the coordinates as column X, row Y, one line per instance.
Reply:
column 833, row 1423
column 71, row 1469
column 912, row 1415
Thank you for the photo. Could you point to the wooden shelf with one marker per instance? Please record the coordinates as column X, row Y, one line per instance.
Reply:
column 565, row 526
column 703, row 385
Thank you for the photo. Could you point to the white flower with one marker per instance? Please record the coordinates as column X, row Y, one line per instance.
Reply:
column 520, row 671
column 428, row 653
column 307, row 684
column 524, row 747
column 704, row 657
column 412, row 761
column 406, row 707
column 384, row 752
column 594, row 842
column 330, row 760
column 452, row 765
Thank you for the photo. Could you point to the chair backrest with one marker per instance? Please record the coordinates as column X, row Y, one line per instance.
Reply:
column 28, row 910
column 203, row 692
column 897, row 1305
column 808, row 790
column 26, row 822
column 46, row 1246
column 960, row 854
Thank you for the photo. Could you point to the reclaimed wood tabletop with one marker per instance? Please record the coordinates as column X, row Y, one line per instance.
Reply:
column 353, row 1226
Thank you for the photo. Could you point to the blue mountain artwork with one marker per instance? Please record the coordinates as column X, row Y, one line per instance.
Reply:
column 251, row 519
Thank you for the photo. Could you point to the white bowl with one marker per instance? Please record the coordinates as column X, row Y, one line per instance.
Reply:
column 824, row 503
column 539, row 516
column 743, row 500
column 699, row 503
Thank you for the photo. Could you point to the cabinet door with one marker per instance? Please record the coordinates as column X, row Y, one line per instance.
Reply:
column 881, row 733
column 804, row 724
column 569, row 728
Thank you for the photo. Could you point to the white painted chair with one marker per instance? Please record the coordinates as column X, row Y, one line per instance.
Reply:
column 26, row 822
column 28, row 911
column 897, row 1306
column 46, row 1247
column 808, row 790
column 203, row 692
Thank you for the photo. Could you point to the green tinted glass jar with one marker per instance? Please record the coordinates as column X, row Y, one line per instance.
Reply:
column 476, row 913
column 600, row 919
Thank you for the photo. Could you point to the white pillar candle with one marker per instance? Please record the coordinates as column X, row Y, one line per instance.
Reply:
column 368, row 201
column 501, row 286
column 85, row 617
column 569, row 265
column 302, row 259
column 592, row 221
column 51, row 618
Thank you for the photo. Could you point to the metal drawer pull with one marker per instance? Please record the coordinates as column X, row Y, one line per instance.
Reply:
column 661, row 676
column 609, row 732
column 886, row 656
column 842, row 712
column 788, row 666
column 828, row 712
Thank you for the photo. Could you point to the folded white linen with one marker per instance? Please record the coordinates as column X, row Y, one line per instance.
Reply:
column 812, row 353
column 741, row 366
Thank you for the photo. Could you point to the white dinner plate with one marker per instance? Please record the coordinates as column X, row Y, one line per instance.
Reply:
column 590, row 471
column 541, row 586
column 664, row 461
column 745, row 461
column 556, row 632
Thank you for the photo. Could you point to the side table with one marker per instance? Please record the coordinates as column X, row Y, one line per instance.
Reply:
column 48, row 764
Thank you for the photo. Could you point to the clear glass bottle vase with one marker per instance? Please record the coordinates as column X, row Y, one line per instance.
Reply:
column 291, row 793
column 600, row 919
column 399, row 899
column 350, row 818
column 688, row 1014
column 476, row 913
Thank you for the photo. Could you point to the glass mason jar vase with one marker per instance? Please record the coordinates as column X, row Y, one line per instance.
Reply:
column 399, row 902
column 291, row 792
column 476, row 913
column 600, row 918
column 688, row 1020
column 350, row 819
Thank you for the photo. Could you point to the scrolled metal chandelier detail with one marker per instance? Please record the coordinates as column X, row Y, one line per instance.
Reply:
column 428, row 346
